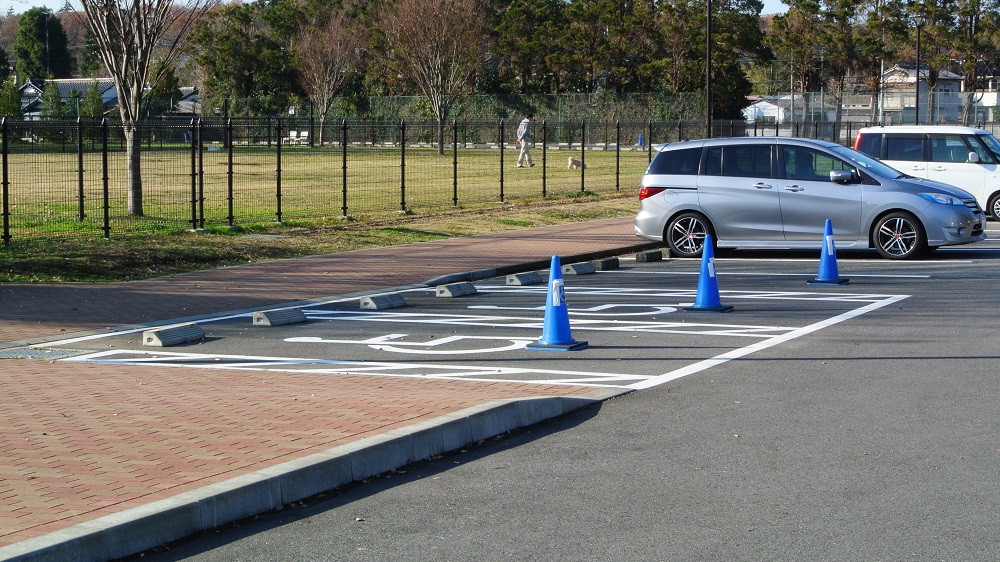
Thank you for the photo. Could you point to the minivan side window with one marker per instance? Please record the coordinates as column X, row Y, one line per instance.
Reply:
column 949, row 148
column 749, row 161
column 904, row 148
column 810, row 165
column 683, row 162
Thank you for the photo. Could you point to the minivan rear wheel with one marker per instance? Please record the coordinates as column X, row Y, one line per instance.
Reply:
column 899, row 236
column 685, row 234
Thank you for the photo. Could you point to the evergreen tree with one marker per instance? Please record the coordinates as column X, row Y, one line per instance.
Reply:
column 10, row 98
column 4, row 65
column 92, row 104
column 40, row 46
column 52, row 104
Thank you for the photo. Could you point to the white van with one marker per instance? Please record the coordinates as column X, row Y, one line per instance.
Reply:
column 961, row 156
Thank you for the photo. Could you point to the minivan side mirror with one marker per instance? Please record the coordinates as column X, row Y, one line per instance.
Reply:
column 841, row 176
column 974, row 157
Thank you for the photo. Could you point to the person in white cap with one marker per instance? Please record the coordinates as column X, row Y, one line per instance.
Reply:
column 524, row 134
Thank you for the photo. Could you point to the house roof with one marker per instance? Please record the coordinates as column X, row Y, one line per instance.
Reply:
column 910, row 69
column 32, row 90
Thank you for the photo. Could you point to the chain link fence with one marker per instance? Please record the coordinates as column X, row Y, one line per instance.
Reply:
column 72, row 178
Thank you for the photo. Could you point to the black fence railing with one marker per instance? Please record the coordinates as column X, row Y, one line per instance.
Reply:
column 71, row 178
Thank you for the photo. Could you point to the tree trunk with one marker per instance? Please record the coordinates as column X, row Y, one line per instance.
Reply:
column 440, row 136
column 133, row 155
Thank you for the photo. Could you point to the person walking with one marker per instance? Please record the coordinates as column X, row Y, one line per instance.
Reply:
column 524, row 134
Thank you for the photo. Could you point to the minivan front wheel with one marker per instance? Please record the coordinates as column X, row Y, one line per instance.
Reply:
column 685, row 234
column 899, row 236
column 994, row 206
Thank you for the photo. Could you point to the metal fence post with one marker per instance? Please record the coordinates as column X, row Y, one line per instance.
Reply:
column 454, row 162
column 277, row 170
column 500, row 143
column 105, row 178
column 649, row 139
column 618, row 154
column 583, row 155
column 402, row 165
column 5, row 150
column 343, row 167
column 545, row 142
column 79, row 168
column 201, row 175
column 194, row 174
column 229, row 170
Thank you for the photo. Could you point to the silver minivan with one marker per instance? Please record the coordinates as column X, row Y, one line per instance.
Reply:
column 778, row 192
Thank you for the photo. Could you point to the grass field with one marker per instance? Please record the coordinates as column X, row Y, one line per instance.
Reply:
column 94, row 258
column 318, row 184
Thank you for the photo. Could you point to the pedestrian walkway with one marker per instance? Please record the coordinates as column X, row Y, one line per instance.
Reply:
column 104, row 461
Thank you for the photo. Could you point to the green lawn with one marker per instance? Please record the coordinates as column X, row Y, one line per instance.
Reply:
column 44, row 190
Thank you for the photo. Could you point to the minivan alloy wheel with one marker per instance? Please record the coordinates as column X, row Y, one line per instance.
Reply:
column 899, row 236
column 685, row 235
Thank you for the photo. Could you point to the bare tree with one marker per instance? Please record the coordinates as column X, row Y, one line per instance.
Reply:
column 439, row 45
column 327, row 56
column 131, row 35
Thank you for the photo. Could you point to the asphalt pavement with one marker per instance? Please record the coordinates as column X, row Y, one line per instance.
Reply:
column 102, row 461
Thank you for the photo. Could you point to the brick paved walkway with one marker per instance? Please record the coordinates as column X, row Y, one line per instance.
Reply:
column 80, row 441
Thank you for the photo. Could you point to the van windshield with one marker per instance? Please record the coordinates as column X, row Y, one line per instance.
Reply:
column 866, row 163
column 991, row 143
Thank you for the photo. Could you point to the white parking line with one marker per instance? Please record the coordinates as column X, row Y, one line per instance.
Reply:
column 366, row 368
column 752, row 348
column 640, row 320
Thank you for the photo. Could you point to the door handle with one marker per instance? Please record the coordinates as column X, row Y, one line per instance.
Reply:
column 761, row 185
column 795, row 188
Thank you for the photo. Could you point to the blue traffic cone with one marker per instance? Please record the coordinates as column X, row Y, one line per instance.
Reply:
column 555, row 332
column 828, row 261
column 708, row 287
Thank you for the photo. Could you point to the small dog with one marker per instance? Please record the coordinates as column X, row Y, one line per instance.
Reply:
column 575, row 164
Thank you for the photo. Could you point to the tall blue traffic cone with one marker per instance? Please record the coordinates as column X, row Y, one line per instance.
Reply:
column 555, row 332
column 828, row 261
column 708, row 286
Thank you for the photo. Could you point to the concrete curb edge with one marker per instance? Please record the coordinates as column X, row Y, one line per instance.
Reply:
column 480, row 274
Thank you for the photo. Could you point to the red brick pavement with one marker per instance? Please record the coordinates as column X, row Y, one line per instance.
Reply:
column 80, row 441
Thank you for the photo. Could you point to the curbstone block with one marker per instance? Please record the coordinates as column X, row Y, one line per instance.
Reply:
column 648, row 256
column 173, row 335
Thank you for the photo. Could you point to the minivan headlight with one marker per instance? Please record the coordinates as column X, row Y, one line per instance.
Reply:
column 942, row 198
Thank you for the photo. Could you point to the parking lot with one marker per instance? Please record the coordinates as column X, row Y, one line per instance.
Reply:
column 632, row 317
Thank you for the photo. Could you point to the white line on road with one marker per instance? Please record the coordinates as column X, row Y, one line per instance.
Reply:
column 759, row 346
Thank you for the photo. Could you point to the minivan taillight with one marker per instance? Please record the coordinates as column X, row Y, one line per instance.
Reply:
column 647, row 191
column 857, row 141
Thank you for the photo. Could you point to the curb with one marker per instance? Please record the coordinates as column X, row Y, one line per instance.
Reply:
column 480, row 274
column 144, row 527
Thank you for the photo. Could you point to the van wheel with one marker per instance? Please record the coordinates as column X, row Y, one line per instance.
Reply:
column 994, row 207
column 685, row 234
column 899, row 236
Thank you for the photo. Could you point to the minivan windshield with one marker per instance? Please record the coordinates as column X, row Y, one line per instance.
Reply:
column 870, row 165
column 991, row 143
